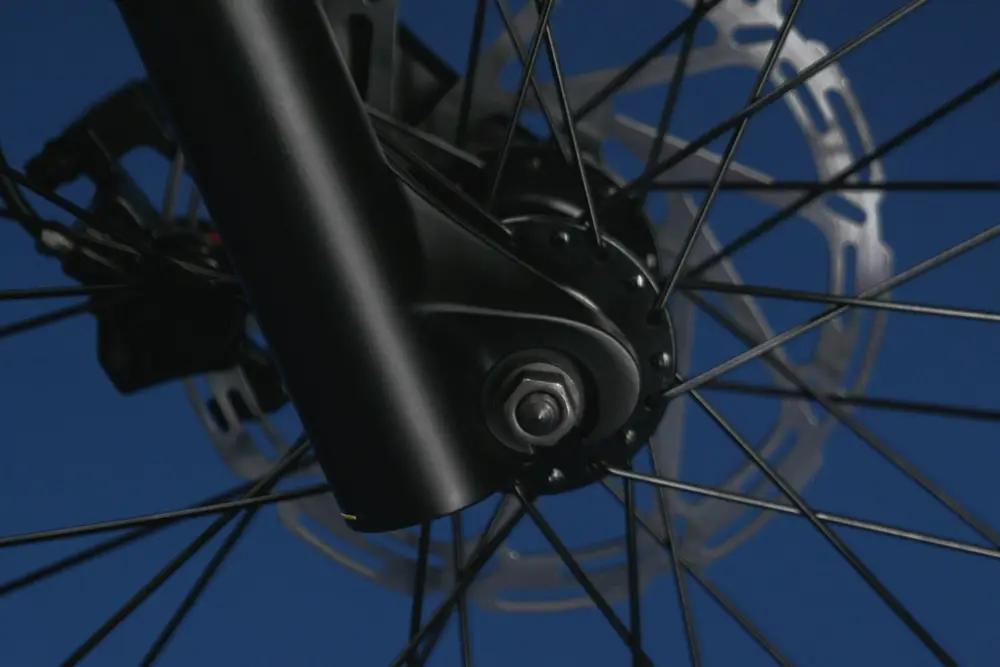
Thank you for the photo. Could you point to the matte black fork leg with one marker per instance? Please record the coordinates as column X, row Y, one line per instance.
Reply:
column 322, row 238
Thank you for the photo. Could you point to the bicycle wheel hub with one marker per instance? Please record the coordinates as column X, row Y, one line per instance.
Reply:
column 541, row 201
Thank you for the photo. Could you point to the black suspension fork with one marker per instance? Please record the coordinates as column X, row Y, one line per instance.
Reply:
column 323, row 240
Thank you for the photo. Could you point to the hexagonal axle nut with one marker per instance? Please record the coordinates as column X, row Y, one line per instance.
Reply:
column 551, row 381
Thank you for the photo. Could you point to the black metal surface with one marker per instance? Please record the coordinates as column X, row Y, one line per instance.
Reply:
column 329, row 252
column 323, row 241
column 539, row 200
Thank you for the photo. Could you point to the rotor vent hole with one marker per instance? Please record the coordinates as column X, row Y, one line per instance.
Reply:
column 754, row 34
column 850, row 129
column 805, row 97
column 240, row 407
column 360, row 31
column 844, row 207
column 850, row 264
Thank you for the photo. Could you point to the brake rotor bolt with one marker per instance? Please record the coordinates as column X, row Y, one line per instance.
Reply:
column 662, row 360
column 556, row 476
column 562, row 238
column 637, row 282
column 630, row 436
column 535, row 163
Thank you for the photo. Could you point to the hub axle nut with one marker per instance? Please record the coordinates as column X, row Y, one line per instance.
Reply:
column 543, row 406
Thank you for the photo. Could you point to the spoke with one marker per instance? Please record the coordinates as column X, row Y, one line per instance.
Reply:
column 737, row 615
column 161, row 518
column 663, row 504
column 419, row 586
column 471, row 69
column 670, row 282
column 480, row 557
column 842, row 177
column 859, row 400
column 495, row 524
column 622, row 78
column 897, row 607
column 836, row 299
column 204, row 579
column 38, row 321
column 834, row 312
column 543, row 105
column 674, row 91
column 86, row 555
column 829, row 186
column 634, row 593
column 173, row 189
column 574, row 141
column 862, row 432
column 465, row 646
column 288, row 461
column 828, row 517
column 8, row 172
column 728, row 605
column 425, row 138
column 646, row 179
column 522, row 90
column 469, row 206
column 566, row 557
column 58, row 292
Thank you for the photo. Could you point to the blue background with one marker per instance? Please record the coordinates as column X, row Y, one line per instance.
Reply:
column 73, row 451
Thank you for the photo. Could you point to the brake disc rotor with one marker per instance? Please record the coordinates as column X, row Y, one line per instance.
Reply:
column 318, row 521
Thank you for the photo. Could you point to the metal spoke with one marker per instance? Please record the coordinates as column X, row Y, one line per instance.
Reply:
column 674, row 91
column 566, row 557
column 38, row 321
column 480, row 557
column 543, row 105
column 834, row 312
column 194, row 204
column 458, row 558
column 663, row 504
column 647, row 178
column 419, row 586
column 898, row 140
column 713, row 591
column 859, row 400
column 828, row 186
column 90, row 553
column 632, row 559
column 828, row 517
column 522, row 91
column 858, row 429
column 469, row 206
column 58, row 292
column 894, row 604
column 16, row 177
column 425, row 138
column 288, row 461
column 494, row 525
column 471, row 70
column 622, row 78
column 669, row 283
column 161, row 518
column 173, row 189
column 204, row 579
column 574, row 141
column 836, row 299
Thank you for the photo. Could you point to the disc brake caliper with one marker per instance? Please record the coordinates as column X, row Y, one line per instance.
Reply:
column 174, row 320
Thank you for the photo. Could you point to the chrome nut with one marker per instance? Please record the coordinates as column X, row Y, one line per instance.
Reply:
column 554, row 384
